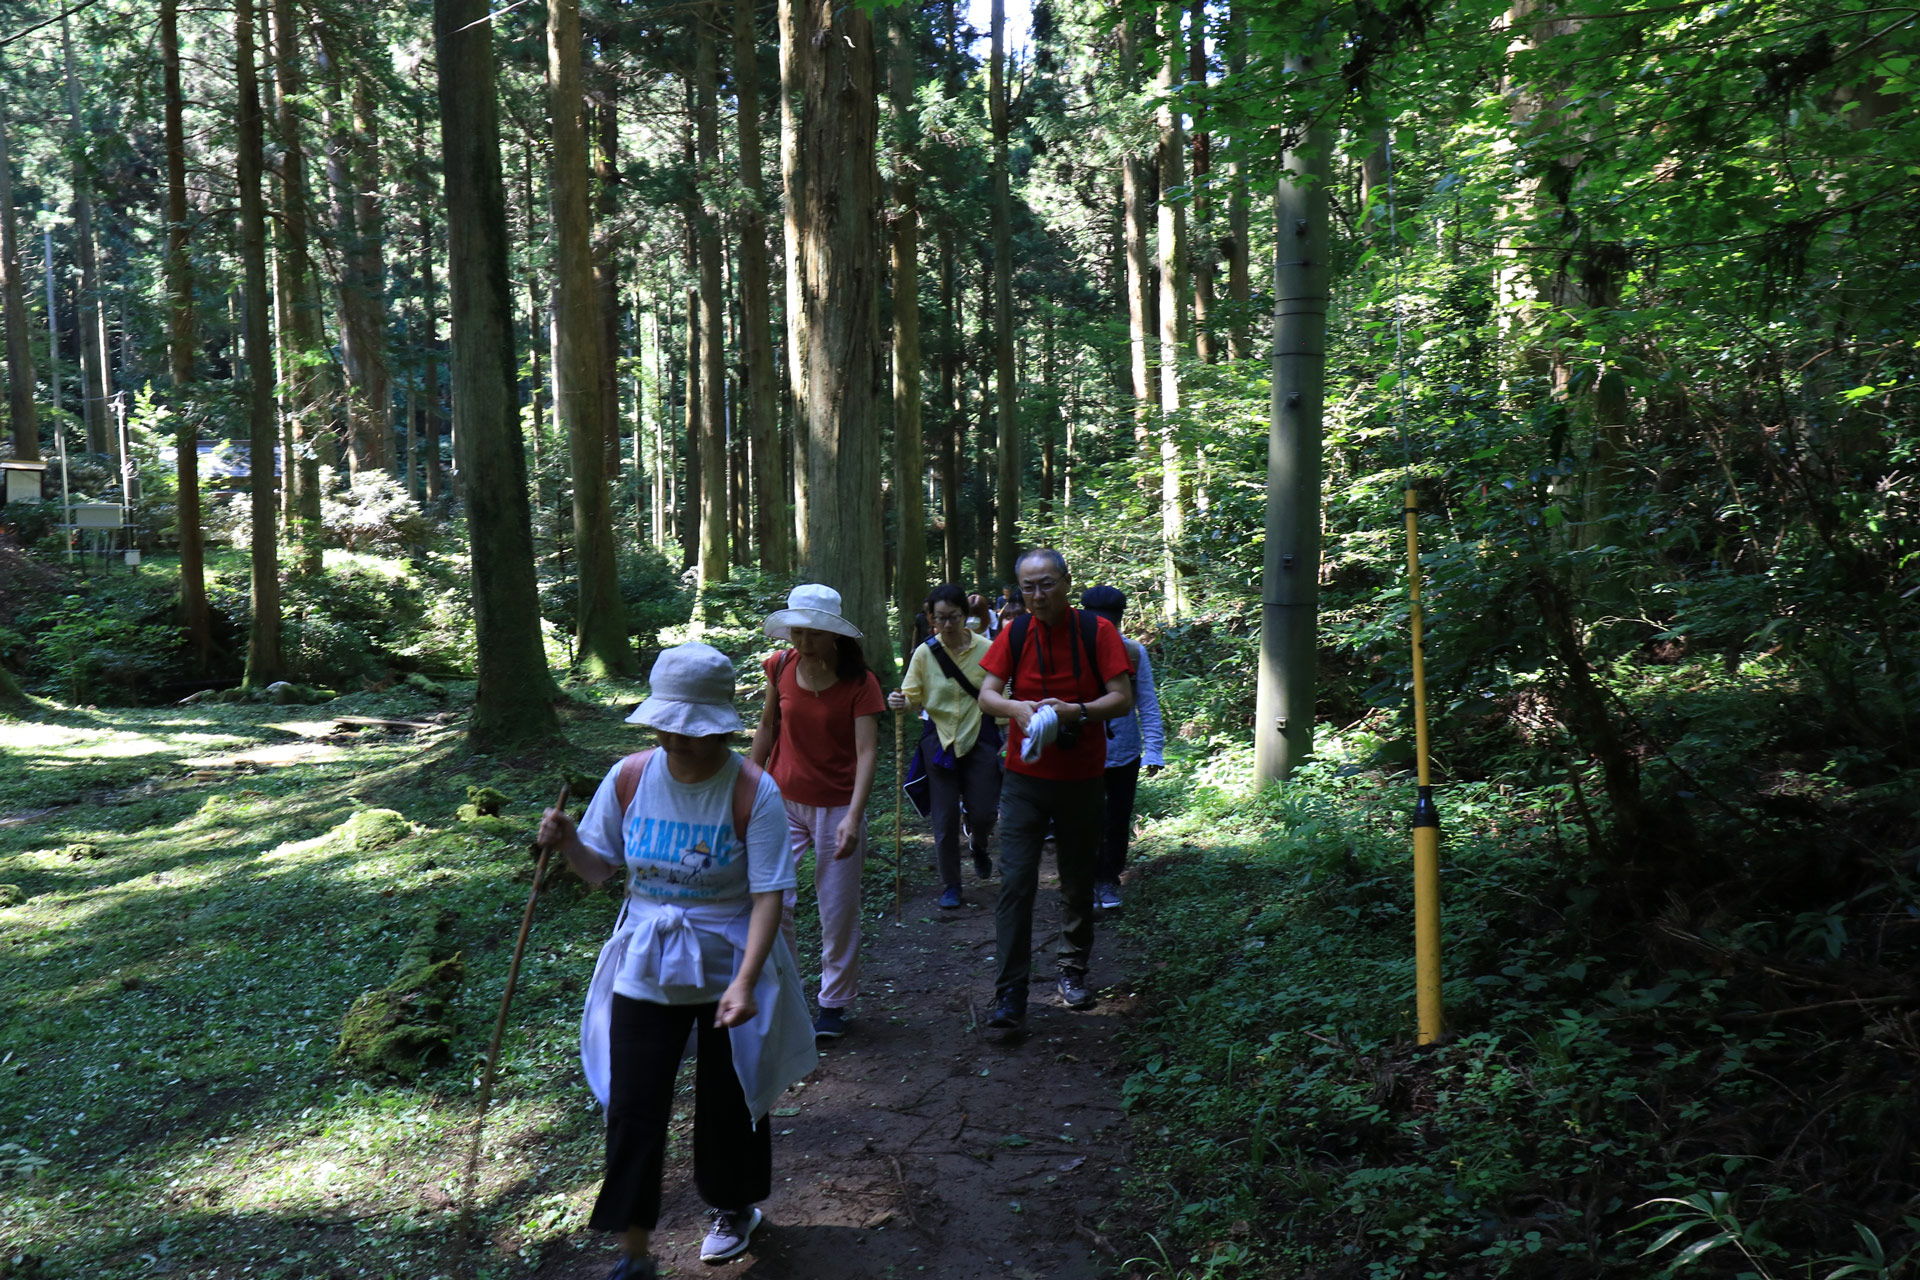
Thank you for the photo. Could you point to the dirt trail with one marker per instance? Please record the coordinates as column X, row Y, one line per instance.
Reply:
column 920, row 1146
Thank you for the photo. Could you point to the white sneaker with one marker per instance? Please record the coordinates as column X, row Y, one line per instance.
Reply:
column 728, row 1236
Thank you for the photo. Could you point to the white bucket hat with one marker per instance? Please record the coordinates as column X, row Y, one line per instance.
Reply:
column 691, row 688
column 810, row 605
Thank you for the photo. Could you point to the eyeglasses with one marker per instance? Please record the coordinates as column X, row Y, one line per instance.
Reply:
column 1038, row 588
column 948, row 619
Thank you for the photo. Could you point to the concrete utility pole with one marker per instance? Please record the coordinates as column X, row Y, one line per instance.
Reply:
column 1290, row 590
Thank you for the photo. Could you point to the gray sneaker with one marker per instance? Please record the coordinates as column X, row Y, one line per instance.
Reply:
column 1073, row 991
column 728, row 1236
column 1106, row 896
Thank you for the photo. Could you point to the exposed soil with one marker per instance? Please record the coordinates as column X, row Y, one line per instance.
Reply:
column 923, row 1145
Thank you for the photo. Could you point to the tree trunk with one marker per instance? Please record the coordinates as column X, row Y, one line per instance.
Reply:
column 21, row 415
column 690, row 490
column 429, row 358
column 1009, row 471
column 841, row 256
column 1237, row 248
column 1205, row 250
column 606, row 265
column 353, row 173
column 1290, row 595
column 195, row 614
column 1174, row 481
column 303, row 342
column 93, row 372
column 1135, row 184
column 264, row 661
column 514, row 700
column 950, row 419
column 713, row 333
column 578, row 359
column 794, row 59
column 772, row 525
column 910, row 467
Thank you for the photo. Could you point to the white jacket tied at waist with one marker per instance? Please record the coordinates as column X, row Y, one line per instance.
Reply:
column 771, row 1051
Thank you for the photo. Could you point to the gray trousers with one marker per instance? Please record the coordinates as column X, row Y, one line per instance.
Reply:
column 1077, row 810
column 975, row 783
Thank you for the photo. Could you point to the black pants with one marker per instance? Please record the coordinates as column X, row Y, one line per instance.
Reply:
column 732, row 1157
column 975, row 783
column 1026, row 806
column 1123, row 783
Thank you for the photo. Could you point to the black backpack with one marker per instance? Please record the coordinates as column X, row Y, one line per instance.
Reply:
column 1085, row 625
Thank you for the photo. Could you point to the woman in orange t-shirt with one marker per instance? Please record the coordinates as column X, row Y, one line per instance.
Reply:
column 820, row 739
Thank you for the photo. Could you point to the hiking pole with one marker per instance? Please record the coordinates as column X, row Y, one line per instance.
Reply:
column 493, row 1046
column 899, row 850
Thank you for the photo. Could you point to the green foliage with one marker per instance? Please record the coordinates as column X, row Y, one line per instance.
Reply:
column 83, row 650
column 402, row 1028
column 372, row 829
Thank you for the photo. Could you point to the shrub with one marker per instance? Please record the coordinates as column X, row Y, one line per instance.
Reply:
column 375, row 512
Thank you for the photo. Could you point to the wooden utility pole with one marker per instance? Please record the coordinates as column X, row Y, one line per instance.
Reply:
column 1290, row 590
column 1174, row 483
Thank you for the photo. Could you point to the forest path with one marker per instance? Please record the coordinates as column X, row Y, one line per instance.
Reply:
column 921, row 1146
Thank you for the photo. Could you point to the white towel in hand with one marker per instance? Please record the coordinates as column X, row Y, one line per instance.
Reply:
column 1042, row 729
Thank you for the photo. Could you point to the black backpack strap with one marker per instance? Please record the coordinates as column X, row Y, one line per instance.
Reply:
column 948, row 665
column 1016, row 641
column 1089, row 630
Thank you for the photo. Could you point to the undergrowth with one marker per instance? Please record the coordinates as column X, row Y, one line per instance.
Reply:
column 1722, row 1089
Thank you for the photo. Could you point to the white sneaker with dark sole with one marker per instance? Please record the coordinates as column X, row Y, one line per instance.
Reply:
column 728, row 1236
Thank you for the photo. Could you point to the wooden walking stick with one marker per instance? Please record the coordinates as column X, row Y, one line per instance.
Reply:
column 493, row 1050
column 899, row 790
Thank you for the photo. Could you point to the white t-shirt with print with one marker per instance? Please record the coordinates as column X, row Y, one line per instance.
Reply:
column 677, row 844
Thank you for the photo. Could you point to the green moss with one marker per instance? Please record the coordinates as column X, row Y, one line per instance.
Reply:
column 81, row 852
column 12, row 895
column 431, row 688
column 402, row 1029
column 486, row 800
column 373, row 829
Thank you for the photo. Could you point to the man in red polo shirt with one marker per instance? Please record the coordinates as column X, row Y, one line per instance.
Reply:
column 1071, row 664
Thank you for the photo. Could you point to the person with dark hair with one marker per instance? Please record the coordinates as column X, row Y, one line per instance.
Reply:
column 820, row 739
column 1133, row 739
column 961, row 747
column 1058, row 674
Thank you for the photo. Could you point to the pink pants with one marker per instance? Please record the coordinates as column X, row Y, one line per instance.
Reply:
column 836, row 883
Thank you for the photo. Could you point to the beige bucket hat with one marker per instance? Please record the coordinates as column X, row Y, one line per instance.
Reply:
column 813, row 606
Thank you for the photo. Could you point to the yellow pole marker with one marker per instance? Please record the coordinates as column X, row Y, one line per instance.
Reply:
column 1426, row 818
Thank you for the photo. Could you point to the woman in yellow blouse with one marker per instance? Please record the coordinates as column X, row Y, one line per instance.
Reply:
column 960, row 746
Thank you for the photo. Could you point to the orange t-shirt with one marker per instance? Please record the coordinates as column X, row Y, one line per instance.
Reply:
column 814, row 758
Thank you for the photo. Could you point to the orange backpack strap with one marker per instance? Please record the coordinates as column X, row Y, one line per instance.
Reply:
column 746, row 789
column 629, row 780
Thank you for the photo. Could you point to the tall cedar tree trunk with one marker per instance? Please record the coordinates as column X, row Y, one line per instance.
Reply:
column 983, row 442
column 949, row 416
column 303, row 346
column 1009, row 471
column 840, row 249
column 514, row 699
column 21, row 415
column 910, row 466
column 1236, row 248
column 1136, row 183
column 600, row 611
column 535, row 311
column 606, row 264
column 264, row 661
column 1174, row 481
column 429, row 358
column 195, row 614
column 713, row 330
column 772, row 525
column 1290, row 594
column 690, row 491
column 793, row 60
column 87, row 318
column 1204, row 255
column 353, row 174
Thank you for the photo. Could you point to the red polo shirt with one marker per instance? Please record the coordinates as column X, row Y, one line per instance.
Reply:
column 1046, row 671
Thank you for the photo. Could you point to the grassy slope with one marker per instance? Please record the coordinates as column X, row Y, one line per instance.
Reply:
column 171, row 996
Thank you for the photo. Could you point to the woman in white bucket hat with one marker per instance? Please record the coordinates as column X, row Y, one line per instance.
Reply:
column 820, row 738
column 697, row 950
